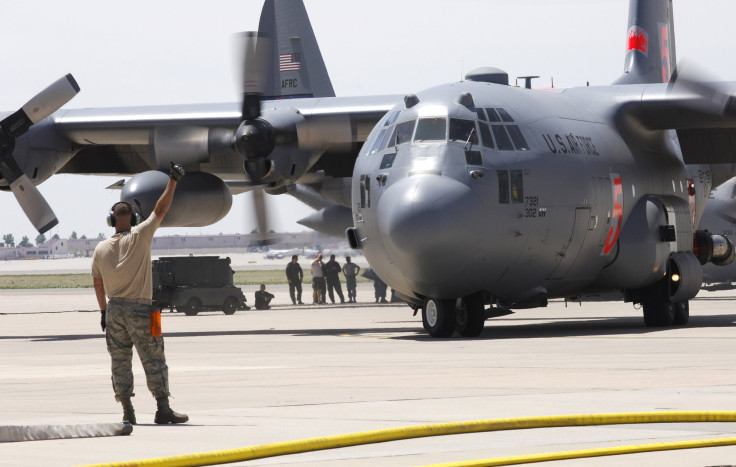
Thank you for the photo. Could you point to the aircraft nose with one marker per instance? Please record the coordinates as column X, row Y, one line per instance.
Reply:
column 429, row 226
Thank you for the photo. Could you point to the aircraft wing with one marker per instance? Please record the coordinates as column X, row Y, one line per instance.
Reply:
column 703, row 114
column 126, row 141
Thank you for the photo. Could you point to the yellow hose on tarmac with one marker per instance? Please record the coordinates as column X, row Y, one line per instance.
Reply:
column 420, row 431
column 584, row 453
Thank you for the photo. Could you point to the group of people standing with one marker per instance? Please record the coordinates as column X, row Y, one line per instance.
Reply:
column 325, row 279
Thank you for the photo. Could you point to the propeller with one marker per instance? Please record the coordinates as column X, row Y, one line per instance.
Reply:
column 688, row 79
column 255, row 138
column 39, row 107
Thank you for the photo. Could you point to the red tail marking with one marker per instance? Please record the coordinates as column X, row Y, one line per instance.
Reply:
column 638, row 40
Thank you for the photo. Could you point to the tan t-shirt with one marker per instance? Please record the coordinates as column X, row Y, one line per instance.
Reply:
column 123, row 262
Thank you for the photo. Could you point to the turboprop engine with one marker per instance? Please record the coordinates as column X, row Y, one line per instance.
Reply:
column 201, row 198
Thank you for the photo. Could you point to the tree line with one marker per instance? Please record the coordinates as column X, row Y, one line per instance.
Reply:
column 25, row 242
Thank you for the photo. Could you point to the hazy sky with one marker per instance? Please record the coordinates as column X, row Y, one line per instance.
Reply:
column 177, row 52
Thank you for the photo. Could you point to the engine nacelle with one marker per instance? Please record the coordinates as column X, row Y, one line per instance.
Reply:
column 713, row 248
column 200, row 199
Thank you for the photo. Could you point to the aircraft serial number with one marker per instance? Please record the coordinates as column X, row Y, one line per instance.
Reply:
column 535, row 212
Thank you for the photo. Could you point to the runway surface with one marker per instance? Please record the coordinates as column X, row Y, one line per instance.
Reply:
column 299, row 372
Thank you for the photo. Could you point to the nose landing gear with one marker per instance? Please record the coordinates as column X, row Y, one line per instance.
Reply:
column 439, row 317
column 442, row 317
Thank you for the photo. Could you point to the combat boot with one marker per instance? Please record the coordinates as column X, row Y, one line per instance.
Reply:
column 165, row 414
column 128, row 412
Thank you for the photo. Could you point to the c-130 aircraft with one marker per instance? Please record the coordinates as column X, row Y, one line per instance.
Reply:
column 464, row 195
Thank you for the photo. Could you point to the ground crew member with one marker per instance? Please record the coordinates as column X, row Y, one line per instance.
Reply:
column 295, row 275
column 332, row 277
column 263, row 298
column 350, row 270
column 318, row 281
column 121, row 271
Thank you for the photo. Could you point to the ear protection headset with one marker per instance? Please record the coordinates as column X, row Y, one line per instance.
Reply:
column 135, row 218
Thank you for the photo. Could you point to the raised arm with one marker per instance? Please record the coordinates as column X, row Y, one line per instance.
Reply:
column 164, row 202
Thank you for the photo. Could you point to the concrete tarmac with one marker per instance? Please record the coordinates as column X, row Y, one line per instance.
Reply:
column 297, row 372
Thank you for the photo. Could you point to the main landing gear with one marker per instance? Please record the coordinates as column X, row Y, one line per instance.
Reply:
column 659, row 310
column 661, row 313
column 442, row 317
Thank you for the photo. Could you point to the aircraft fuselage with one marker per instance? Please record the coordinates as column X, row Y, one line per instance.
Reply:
column 522, row 195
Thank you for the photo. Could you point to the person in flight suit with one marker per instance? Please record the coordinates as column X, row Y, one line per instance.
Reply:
column 295, row 275
column 122, row 276
column 332, row 276
column 263, row 298
column 350, row 270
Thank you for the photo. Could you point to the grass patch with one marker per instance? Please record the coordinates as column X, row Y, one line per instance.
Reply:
column 46, row 281
column 79, row 281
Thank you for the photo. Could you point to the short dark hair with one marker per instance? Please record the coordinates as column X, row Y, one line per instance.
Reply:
column 294, row 257
column 122, row 209
column 332, row 256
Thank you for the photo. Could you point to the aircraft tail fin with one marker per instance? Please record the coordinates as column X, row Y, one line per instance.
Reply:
column 650, row 43
column 296, row 65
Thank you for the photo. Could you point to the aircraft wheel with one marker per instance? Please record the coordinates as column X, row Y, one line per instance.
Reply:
column 471, row 319
column 682, row 313
column 230, row 305
column 194, row 306
column 439, row 317
column 658, row 313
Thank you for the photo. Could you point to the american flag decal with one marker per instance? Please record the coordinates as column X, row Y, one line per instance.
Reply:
column 289, row 62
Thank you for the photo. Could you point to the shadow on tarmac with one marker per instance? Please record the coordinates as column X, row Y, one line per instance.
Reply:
column 578, row 326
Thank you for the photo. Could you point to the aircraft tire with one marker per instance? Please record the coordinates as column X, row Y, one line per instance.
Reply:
column 471, row 319
column 658, row 313
column 193, row 306
column 439, row 317
column 682, row 313
column 230, row 305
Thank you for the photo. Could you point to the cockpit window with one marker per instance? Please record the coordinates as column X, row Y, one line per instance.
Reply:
column 431, row 129
column 377, row 143
column 485, row 135
column 492, row 115
column 502, row 138
column 463, row 131
column 481, row 114
column 505, row 115
column 517, row 138
column 404, row 131
column 391, row 119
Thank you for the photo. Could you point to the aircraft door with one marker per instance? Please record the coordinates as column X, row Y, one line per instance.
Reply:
column 574, row 245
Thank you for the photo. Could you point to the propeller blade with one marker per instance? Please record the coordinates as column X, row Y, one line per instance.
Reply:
column 33, row 204
column 255, row 52
column 688, row 79
column 41, row 106
column 259, row 205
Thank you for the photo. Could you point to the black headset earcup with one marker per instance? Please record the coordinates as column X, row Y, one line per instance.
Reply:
column 111, row 219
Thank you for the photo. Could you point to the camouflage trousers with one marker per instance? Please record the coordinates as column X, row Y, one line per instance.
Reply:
column 129, row 324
